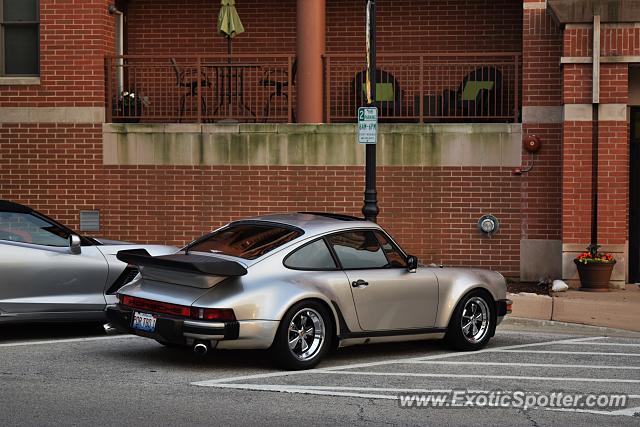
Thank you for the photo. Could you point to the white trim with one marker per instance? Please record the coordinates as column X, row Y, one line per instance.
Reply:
column 534, row 6
column 542, row 114
column 612, row 112
column 19, row 81
column 578, row 112
column 622, row 59
column 79, row 115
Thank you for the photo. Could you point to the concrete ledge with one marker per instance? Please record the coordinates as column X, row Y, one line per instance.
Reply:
column 616, row 309
column 551, row 326
column 79, row 115
column 531, row 306
column 490, row 145
column 19, row 81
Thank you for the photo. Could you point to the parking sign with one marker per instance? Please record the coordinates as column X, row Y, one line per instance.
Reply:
column 367, row 125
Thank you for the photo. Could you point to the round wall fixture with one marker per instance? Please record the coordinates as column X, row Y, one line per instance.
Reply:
column 532, row 143
column 488, row 224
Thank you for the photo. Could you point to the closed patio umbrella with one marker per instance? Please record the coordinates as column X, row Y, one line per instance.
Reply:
column 229, row 23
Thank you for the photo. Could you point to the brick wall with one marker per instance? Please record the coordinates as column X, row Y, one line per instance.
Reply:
column 432, row 211
column 74, row 37
column 542, row 87
column 403, row 25
column 613, row 153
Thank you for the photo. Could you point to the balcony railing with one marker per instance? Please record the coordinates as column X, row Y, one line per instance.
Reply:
column 443, row 87
column 208, row 88
column 411, row 88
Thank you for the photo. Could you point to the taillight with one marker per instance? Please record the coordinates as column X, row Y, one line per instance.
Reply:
column 155, row 306
column 219, row 314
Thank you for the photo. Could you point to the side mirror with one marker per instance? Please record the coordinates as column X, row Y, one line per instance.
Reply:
column 75, row 245
column 412, row 263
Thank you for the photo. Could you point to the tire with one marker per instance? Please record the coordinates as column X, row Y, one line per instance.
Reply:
column 306, row 324
column 465, row 334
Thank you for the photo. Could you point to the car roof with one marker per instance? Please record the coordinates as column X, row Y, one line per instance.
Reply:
column 315, row 222
column 7, row 206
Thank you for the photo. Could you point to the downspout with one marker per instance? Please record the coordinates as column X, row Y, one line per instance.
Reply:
column 594, row 127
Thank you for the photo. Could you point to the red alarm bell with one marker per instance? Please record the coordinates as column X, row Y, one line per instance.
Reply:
column 532, row 143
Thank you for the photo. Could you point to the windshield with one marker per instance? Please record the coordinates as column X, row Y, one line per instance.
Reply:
column 248, row 241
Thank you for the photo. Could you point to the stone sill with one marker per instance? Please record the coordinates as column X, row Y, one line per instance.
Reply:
column 19, row 81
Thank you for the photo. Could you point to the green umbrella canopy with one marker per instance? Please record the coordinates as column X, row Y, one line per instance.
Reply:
column 229, row 24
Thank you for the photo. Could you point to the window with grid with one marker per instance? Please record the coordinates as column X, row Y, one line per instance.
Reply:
column 19, row 38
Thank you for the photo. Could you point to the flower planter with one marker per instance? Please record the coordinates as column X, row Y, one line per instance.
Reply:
column 595, row 276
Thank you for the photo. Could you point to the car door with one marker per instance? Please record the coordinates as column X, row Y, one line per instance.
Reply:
column 38, row 272
column 387, row 296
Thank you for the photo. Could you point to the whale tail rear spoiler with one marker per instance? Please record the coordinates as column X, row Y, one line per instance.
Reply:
column 188, row 263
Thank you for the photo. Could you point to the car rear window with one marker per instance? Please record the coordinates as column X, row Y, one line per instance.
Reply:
column 248, row 241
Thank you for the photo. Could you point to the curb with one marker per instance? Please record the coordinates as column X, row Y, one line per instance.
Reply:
column 564, row 327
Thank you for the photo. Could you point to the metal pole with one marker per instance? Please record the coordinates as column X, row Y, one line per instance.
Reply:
column 370, row 209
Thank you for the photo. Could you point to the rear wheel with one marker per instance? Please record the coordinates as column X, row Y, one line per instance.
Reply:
column 473, row 322
column 303, row 337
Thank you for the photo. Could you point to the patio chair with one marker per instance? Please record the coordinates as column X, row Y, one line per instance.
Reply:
column 388, row 94
column 278, row 79
column 479, row 95
column 187, row 79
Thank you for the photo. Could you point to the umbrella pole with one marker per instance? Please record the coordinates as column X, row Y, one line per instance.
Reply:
column 229, row 70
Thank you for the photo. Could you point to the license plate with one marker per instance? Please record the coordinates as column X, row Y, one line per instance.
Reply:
column 144, row 322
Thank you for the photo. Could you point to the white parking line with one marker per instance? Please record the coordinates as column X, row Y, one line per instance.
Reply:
column 596, row 353
column 68, row 340
column 618, row 344
column 214, row 383
column 519, row 365
column 498, row 377
column 629, row 412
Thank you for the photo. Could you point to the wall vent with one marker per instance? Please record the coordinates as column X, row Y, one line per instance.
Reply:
column 89, row 220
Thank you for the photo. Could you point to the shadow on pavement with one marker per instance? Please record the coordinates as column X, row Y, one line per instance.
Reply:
column 47, row 331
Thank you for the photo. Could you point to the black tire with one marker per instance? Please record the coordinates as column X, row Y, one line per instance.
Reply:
column 456, row 336
column 318, row 321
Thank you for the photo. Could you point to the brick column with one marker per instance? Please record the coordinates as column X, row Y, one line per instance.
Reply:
column 310, row 46
column 613, row 152
column 540, row 244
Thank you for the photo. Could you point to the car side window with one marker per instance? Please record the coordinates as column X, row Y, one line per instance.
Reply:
column 358, row 249
column 395, row 257
column 28, row 228
column 313, row 256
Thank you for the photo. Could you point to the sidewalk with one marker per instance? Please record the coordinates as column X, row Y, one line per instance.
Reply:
column 618, row 309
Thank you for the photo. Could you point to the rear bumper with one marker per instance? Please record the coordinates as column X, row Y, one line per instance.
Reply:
column 503, row 307
column 255, row 334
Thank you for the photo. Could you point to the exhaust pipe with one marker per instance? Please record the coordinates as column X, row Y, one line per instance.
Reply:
column 110, row 330
column 200, row 348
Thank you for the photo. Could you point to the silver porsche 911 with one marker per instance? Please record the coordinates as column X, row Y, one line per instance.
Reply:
column 50, row 273
column 299, row 284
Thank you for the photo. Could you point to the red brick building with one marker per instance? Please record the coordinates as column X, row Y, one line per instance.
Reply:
column 212, row 136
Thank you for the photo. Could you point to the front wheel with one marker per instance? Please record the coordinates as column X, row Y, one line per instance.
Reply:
column 473, row 322
column 303, row 337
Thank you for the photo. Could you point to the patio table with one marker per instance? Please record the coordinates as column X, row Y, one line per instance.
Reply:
column 230, row 80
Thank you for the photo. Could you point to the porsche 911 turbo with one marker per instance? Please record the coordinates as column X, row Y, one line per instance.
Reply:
column 299, row 284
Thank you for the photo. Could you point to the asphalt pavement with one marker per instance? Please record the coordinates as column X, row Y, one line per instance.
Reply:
column 75, row 375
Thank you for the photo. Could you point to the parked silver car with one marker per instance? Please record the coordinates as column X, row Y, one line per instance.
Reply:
column 50, row 273
column 299, row 283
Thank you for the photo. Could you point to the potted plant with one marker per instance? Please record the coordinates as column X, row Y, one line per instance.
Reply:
column 594, row 269
column 128, row 107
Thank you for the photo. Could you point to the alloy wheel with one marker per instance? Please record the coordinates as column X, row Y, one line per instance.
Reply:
column 475, row 320
column 306, row 334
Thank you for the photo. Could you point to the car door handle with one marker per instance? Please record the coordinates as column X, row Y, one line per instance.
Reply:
column 360, row 284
